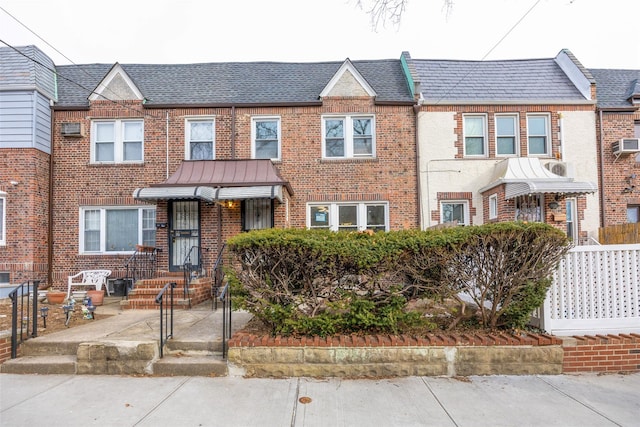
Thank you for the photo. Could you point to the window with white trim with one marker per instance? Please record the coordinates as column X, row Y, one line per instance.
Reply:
column 200, row 139
column 348, row 216
column 493, row 206
column 348, row 136
column 265, row 138
column 116, row 229
column 538, row 134
column 475, row 134
column 454, row 211
column 117, row 141
column 506, row 134
column 3, row 215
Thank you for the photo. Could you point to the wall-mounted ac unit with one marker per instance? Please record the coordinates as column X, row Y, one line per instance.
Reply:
column 560, row 169
column 73, row 129
column 626, row 146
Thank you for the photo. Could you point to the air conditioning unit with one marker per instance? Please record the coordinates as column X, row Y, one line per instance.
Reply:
column 626, row 146
column 73, row 129
column 560, row 169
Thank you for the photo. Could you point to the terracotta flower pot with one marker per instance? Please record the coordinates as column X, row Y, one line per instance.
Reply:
column 56, row 297
column 97, row 297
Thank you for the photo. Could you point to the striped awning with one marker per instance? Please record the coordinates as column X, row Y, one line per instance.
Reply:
column 209, row 194
column 523, row 188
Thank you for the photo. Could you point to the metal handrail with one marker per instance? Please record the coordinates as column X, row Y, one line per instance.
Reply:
column 225, row 297
column 26, row 320
column 218, row 277
column 191, row 270
column 164, row 334
column 141, row 264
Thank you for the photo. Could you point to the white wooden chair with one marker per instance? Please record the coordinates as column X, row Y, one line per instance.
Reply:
column 95, row 278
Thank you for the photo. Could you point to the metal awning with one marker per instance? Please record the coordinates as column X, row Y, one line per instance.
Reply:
column 176, row 193
column 212, row 180
column 526, row 175
column 209, row 194
column 516, row 189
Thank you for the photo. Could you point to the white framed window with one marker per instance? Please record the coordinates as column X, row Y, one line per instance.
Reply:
column 506, row 134
column 348, row 137
column 116, row 229
column 265, row 138
column 538, row 134
column 200, row 138
column 455, row 211
column 3, row 218
column 475, row 134
column 349, row 216
column 493, row 206
column 117, row 141
column 572, row 224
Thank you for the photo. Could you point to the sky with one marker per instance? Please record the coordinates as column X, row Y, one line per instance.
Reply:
column 600, row 33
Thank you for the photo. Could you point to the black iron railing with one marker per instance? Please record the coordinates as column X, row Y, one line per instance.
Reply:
column 166, row 314
column 24, row 307
column 141, row 265
column 218, row 277
column 225, row 298
column 193, row 268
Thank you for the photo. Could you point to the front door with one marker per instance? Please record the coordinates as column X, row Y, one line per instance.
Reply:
column 184, row 233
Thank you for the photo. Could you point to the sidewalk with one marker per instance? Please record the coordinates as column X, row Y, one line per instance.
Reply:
column 563, row 400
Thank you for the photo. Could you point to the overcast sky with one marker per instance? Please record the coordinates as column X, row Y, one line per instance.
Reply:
column 600, row 33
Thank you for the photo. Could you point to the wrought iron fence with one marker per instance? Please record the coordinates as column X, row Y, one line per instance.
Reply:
column 166, row 314
column 24, row 307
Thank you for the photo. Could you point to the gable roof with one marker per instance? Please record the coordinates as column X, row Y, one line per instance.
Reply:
column 616, row 89
column 507, row 81
column 232, row 83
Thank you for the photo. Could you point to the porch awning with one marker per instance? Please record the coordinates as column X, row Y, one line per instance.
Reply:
column 526, row 175
column 516, row 189
column 212, row 180
column 162, row 193
column 209, row 194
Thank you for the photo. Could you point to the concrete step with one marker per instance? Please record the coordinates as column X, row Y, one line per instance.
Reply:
column 42, row 365
column 35, row 347
column 194, row 346
column 191, row 365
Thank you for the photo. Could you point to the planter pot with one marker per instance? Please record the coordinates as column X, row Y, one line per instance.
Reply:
column 56, row 297
column 97, row 297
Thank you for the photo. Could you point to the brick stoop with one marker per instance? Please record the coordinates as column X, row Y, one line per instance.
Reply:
column 143, row 294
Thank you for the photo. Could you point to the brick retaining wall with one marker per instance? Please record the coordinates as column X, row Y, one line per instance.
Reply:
column 602, row 353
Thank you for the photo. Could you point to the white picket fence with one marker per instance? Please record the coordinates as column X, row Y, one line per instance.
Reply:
column 595, row 290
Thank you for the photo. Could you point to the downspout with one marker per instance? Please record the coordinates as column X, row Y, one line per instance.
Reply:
column 233, row 132
column 601, row 161
column 167, row 146
column 421, row 225
column 50, row 213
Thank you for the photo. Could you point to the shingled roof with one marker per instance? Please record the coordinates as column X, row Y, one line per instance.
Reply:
column 231, row 83
column 527, row 81
column 615, row 88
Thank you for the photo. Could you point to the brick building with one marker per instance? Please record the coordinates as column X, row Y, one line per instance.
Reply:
column 507, row 140
column 618, row 119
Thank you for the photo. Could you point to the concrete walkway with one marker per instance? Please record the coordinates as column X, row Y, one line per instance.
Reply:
column 71, row 400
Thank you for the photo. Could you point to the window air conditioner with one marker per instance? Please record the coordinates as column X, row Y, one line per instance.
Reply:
column 73, row 129
column 560, row 169
column 626, row 146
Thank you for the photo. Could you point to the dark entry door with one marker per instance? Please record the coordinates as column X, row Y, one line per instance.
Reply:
column 184, row 232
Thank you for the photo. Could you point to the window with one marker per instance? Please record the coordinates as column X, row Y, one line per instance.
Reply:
column 506, row 135
column 633, row 214
column 346, row 137
column 117, row 141
column 538, row 134
column 529, row 208
column 636, row 134
column 3, row 214
column 493, row 206
column 572, row 225
column 348, row 216
column 475, row 131
column 265, row 134
column 257, row 214
column 200, row 139
column 455, row 211
column 116, row 229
